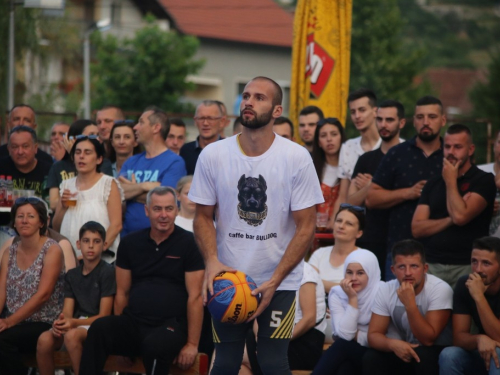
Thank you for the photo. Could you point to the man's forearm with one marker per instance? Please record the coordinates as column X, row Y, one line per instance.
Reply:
column 489, row 321
column 420, row 327
column 429, row 227
column 195, row 319
column 358, row 197
column 132, row 190
column 205, row 236
column 121, row 301
column 455, row 203
column 379, row 341
column 382, row 199
column 465, row 340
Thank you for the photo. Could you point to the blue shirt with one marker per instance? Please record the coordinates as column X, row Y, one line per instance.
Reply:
column 166, row 168
column 403, row 166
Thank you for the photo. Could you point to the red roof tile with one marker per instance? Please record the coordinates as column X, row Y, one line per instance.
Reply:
column 256, row 21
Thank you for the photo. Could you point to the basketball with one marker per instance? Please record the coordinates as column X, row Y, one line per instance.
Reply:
column 232, row 301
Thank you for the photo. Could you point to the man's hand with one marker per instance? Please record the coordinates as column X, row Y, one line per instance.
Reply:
column 406, row 294
column 5, row 324
column 266, row 290
column 487, row 349
column 362, row 180
column 450, row 171
column 212, row 268
column 415, row 191
column 404, row 350
column 62, row 325
column 476, row 286
column 186, row 356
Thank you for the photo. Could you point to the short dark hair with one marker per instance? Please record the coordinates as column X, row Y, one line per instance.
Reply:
column 318, row 154
column 310, row 109
column 159, row 116
column 22, row 105
column 408, row 248
column 284, row 120
column 98, row 146
column 41, row 209
column 489, row 243
column 459, row 128
column 177, row 121
column 394, row 104
column 111, row 106
column 278, row 92
column 22, row 129
column 360, row 215
column 78, row 126
column 119, row 124
column 429, row 100
column 361, row 93
column 94, row 227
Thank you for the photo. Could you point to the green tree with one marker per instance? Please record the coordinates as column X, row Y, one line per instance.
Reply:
column 149, row 69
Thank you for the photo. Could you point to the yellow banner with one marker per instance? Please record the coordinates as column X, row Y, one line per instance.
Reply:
column 321, row 57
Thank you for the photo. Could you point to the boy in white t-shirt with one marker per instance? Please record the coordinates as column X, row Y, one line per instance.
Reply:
column 265, row 190
column 418, row 306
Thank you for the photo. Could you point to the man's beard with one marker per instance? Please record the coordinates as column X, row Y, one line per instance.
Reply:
column 390, row 136
column 258, row 121
column 427, row 138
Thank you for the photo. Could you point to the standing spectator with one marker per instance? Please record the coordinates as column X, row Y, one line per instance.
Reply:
column 363, row 109
column 158, row 306
column 351, row 310
column 187, row 209
column 65, row 168
column 57, row 134
column 404, row 170
column 31, row 285
column 419, row 307
column 123, row 144
column 308, row 119
column 176, row 135
column 455, row 208
column 495, row 168
column 98, row 197
column 151, row 168
column 237, row 127
column 329, row 261
column 226, row 121
column 89, row 291
column 209, row 120
column 26, row 170
column 284, row 127
column 328, row 139
column 105, row 119
column 390, row 120
column 476, row 299
column 23, row 114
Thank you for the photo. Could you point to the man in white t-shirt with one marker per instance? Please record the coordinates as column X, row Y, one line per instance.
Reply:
column 363, row 110
column 418, row 306
column 265, row 189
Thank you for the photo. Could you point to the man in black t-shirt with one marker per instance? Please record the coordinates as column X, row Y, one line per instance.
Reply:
column 28, row 173
column 390, row 119
column 455, row 208
column 158, row 306
column 476, row 298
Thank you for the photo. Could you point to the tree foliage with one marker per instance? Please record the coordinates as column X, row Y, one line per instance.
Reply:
column 150, row 68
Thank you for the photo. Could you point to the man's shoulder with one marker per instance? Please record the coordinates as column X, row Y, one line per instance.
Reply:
column 43, row 165
column 435, row 283
column 352, row 142
column 132, row 238
column 487, row 167
column 42, row 155
column 188, row 147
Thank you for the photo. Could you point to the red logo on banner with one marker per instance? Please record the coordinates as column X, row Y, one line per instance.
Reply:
column 319, row 66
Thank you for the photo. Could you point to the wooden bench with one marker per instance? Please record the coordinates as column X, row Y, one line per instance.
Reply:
column 113, row 364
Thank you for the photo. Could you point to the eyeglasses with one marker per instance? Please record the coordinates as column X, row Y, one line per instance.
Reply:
column 30, row 200
column 91, row 136
column 208, row 119
column 348, row 206
column 329, row 120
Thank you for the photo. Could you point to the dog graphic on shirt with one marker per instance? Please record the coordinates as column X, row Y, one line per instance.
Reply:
column 252, row 199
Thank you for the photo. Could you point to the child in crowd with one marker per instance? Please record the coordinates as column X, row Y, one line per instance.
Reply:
column 88, row 294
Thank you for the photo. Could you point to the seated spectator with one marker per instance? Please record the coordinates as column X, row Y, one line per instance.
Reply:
column 328, row 139
column 123, row 144
column 418, row 306
column 476, row 299
column 176, row 135
column 329, row 261
column 158, row 306
column 351, row 309
column 185, row 217
column 65, row 168
column 31, row 285
column 89, row 290
column 98, row 197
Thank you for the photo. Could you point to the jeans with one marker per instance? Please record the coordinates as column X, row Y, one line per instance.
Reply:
column 454, row 361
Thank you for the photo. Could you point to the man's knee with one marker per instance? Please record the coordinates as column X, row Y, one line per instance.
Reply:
column 452, row 357
column 272, row 356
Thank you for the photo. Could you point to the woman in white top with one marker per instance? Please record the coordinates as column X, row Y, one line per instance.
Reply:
column 98, row 197
column 328, row 139
column 350, row 305
column 347, row 228
column 185, row 217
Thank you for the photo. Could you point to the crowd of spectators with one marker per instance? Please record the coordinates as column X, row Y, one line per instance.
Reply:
column 410, row 219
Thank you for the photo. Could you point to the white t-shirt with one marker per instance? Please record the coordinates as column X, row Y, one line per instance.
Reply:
column 184, row 223
column 330, row 175
column 311, row 276
column 255, row 197
column 350, row 151
column 487, row 167
column 321, row 260
column 435, row 295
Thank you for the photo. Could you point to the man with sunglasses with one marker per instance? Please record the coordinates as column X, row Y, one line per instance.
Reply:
column 210, row 120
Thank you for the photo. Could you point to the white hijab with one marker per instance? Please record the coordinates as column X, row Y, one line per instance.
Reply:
column 369, row 262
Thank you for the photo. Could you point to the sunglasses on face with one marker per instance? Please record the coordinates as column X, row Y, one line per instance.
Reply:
column 328, row 120
column 92, row 136
column 347, row 206
column 30, row 200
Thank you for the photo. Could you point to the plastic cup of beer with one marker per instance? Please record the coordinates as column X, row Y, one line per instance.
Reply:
column 71, row 202
column 321, row 221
